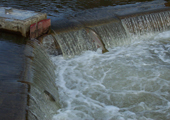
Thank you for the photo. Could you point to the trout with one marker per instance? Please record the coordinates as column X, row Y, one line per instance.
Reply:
column 96, row 38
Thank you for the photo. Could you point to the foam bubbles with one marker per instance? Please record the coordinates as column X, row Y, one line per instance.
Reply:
column 129, row 82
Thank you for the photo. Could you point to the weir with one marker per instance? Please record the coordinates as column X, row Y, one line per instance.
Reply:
column 41, row 97
column 43, row 94
column 116, row 30
column 149, row 23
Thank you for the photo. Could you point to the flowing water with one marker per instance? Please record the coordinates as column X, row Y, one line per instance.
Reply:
column 130, row 82
column 74, row 42
column 114, row 33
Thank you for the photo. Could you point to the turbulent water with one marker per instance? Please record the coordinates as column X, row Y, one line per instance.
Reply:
column 130, row 82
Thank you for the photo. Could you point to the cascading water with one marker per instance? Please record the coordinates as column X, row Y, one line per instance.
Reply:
column 114, row 33
column 75, row 42
column 43, row 94
column 69, row 47
column 151, row 23
column 129, row 82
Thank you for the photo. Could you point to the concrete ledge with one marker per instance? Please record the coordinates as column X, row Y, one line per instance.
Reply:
column 19, row 20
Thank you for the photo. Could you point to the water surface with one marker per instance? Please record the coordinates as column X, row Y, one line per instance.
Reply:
column 129, row 82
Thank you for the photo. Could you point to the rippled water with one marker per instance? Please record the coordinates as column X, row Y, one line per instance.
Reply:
column 129, row 82
column 58, row 8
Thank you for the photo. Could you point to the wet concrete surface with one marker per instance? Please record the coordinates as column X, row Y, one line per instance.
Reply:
column 13, row 94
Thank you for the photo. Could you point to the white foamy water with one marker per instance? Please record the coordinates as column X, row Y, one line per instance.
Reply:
column 128, row 83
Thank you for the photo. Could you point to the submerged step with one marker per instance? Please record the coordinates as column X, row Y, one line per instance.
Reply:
column 15, row 20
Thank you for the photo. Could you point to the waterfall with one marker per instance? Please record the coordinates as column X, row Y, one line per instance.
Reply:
column 113, row 34
column 43, row 93
column 149, row 23
column 75, row 42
